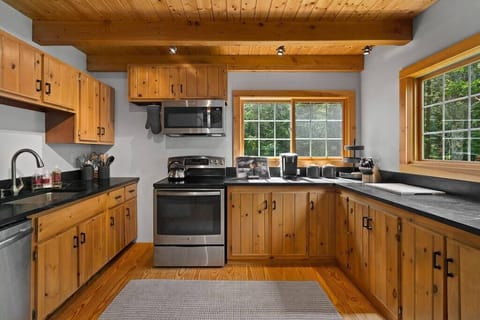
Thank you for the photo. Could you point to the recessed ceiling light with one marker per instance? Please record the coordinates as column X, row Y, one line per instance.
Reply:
column 172, row 50
column 367, row 50
column 280, row 51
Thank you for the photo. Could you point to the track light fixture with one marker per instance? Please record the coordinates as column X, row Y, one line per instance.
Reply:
column 367, row 50
column 172, row 50
column 281, row 51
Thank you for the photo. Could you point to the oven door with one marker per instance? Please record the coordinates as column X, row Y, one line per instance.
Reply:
column 189, row 217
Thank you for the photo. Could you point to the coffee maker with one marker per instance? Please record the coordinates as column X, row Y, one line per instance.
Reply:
column 288, row 165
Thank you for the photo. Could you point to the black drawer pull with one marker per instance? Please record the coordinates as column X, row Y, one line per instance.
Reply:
column 118, row 197
column 83, row 237
column 112, row 221
column 128, row 212
column 274, row 204
column 312, row 205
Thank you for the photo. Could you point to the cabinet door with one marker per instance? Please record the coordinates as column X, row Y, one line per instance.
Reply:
column 217, row 82
column 463, row 281
column 92, row 250
column 422, row 265
column 168, row 81
column 289, row 223
column 61, row 85
column 20, row 68
column 321, row 241
column 88, row 123
column 130, row 220
column 107, row 114
column 115, row 230
column 384, row 255
column 358, row 242
column 341, row 231
column 249, row 225
column 57, row 268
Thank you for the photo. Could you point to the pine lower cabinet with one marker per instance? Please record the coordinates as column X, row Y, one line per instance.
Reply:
column 72, row 243
column 277, row 222
column 70, row 248
column 368, row 249
column 440, row 276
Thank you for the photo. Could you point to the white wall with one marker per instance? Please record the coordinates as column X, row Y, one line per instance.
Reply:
column 24, row 128
column 442, row 25
column 139, row 153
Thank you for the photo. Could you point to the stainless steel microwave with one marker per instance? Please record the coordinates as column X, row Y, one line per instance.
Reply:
column 193, row 117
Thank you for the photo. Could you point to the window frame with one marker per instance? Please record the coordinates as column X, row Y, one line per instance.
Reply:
column 411, row 118
column 347, row 97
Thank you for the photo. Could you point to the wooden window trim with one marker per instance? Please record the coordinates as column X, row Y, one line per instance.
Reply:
column 349, row 118
column 410, row 116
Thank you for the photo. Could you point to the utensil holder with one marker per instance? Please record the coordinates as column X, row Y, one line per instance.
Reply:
column 103, row 172
column 87, row 173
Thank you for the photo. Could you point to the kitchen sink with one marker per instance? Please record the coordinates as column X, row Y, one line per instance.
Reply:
column 43, row 199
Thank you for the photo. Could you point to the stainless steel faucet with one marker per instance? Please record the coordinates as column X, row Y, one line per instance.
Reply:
column 16, row 189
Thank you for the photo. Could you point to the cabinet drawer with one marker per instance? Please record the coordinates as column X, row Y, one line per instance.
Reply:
column 57, row 221
column 130, row 191
column 116, row 197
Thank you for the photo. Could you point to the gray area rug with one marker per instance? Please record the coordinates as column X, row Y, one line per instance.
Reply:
column 201, row 299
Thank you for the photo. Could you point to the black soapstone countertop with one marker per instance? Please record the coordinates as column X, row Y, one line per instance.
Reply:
column 14, row 213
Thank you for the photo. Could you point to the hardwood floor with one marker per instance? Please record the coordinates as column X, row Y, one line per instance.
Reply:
column 136, row 263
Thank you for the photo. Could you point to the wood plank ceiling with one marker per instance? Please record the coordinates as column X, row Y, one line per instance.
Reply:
column 318, row 35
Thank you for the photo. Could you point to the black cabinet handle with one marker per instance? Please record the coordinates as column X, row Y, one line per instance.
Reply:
column 38, row 85
column 83, row 237
column 274, row 204
column 265, row 204
column 171, row 90
column 112, row 221
column 128, row 212
column 98, row 131
column 447, row 261
column 48, row 88
column 434, row 259
column 103, row 131
column 181, row 88
column 365, row 222
column 369, row 223
column 118, row 197
column 75, row 241
column 311, row 205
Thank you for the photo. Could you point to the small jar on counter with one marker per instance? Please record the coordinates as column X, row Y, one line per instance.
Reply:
column 57, row 178
column 37, row 181
column 46, row 179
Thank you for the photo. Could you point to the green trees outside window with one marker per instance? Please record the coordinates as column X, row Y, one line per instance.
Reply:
column 451, row 115
column 268, row 127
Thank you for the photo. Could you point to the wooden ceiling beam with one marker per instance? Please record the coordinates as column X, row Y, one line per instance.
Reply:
column 391, row 32
column 330, row 63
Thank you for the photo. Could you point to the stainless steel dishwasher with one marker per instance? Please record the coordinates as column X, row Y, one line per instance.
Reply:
column 15, row 248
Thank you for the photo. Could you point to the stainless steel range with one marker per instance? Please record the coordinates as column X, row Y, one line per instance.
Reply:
column 189, row 213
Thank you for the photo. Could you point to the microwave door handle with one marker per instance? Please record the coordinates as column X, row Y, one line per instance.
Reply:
column 209, row 118
column 187, row 194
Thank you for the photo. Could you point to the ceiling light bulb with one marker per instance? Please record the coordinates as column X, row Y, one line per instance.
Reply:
column 172, row 50
column 367, row 50
column 280, row 51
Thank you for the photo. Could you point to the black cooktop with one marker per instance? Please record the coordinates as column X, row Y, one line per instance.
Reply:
column 203, row 182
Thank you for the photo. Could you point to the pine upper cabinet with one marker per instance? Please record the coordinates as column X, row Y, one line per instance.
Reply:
column 462, row 269
column 61, row 84
column 321, row 241
column 88, row 113
column 57, row 269
column 107, row 114
column 20, row 69
column 249, row 224
column 289, row 224
column 422, row 265
column 168, row 82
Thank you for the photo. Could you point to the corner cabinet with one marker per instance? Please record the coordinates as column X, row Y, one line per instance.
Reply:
column 152, row 83
column 73, row 243
column 282, row 223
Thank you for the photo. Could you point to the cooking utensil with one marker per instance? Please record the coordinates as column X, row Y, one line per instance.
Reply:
column 109, row 160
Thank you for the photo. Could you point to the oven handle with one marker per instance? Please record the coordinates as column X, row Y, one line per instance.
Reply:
column 188, row 193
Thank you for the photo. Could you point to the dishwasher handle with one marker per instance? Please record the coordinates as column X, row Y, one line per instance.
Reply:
column 17, row 236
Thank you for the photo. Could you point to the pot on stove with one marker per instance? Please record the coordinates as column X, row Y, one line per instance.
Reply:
column 176, row 171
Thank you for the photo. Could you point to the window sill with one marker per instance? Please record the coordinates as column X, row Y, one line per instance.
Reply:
column 451, row 170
